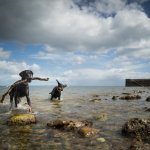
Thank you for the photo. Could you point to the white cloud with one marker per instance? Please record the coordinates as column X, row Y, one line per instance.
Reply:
column 78, row 60
column 14, row 68
column 91, row 76
column 4, row 54
column 64, row 58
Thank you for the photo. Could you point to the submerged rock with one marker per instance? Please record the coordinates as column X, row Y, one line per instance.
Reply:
column 68, row 124
column 148, row 99
column 81, row 127
column 87, row 131
column 95, row 100
column 130, row 97
column 101, row 140
column 147, row 109
column 95, row 95
column 22, row 119
column 137, row 128
column 114, row 97
column 136, row 144
column 102, row 116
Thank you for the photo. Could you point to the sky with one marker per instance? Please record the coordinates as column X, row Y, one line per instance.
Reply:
column 78, row 42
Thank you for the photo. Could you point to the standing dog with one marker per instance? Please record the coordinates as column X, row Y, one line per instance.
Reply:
column 56, row 92
column 21, row 89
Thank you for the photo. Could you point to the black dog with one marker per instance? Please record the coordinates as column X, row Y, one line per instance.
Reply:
column 56, row 92
column 21, row 89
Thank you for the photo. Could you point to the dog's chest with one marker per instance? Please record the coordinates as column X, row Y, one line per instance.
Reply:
column 22, row 90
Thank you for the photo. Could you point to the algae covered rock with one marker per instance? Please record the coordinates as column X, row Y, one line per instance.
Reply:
column 102, row 140
column 87, row 131
column 130, row 97
column 57, row 123
column 83, row 128
column 136, row 144
column 67, row 124
column 22, row 119
column 114, row 97
column 138, row 128
column 102, row 116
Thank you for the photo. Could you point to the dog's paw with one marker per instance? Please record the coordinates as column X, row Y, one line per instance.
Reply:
column 30, row 109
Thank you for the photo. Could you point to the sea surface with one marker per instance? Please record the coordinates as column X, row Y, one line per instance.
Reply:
column 81, row 103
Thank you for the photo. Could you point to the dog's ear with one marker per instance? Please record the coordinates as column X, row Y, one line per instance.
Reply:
column 22, row 73
column 59, row 84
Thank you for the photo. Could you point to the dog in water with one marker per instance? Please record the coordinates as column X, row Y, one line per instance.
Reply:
column 56, row 92
column 22, row 89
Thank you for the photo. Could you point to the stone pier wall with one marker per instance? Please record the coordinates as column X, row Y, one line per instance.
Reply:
column 137, row 82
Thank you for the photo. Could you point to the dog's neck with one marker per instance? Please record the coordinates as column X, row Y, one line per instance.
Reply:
column 26, row 83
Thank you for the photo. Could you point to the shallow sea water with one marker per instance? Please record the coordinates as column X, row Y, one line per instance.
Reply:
column 75, row 104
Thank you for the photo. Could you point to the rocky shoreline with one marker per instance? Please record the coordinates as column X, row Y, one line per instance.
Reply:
column 137, row 130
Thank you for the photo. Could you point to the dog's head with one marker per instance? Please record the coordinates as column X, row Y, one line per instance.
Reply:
column 60, row 86
column 26, row 74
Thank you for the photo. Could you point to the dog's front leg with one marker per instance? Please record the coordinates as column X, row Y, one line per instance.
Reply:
column 16, row 101
column 29, row 103
column 59, row 97
column 11, row 102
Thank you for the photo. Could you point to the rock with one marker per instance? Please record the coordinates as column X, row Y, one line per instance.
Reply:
column 148, row 110
column 95, row 95
column 68, row 124
column 114, row 97
column 130, row 97
column 126, row 93
column 81, row 127
column 22, row 119
column 96, row 100
column 137, row 128
column 136, row 144
column 102, row 140
column 58, row 123
column 87, row 131
column 102, row 116
column 148, row 99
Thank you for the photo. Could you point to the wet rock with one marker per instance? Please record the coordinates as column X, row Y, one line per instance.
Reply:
column 130, row 97
column 95, row 95
column 96, row 100
column 148, row 99
column 57, row 123
column 147, row 109
column 101, row 140
column 137, row 128
column 87, row 131
column 126, row 93
column 102, row 116
column 83, row 128
column 68, row 124
column 114, row 97
column 22, row 119
column 136, row 144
